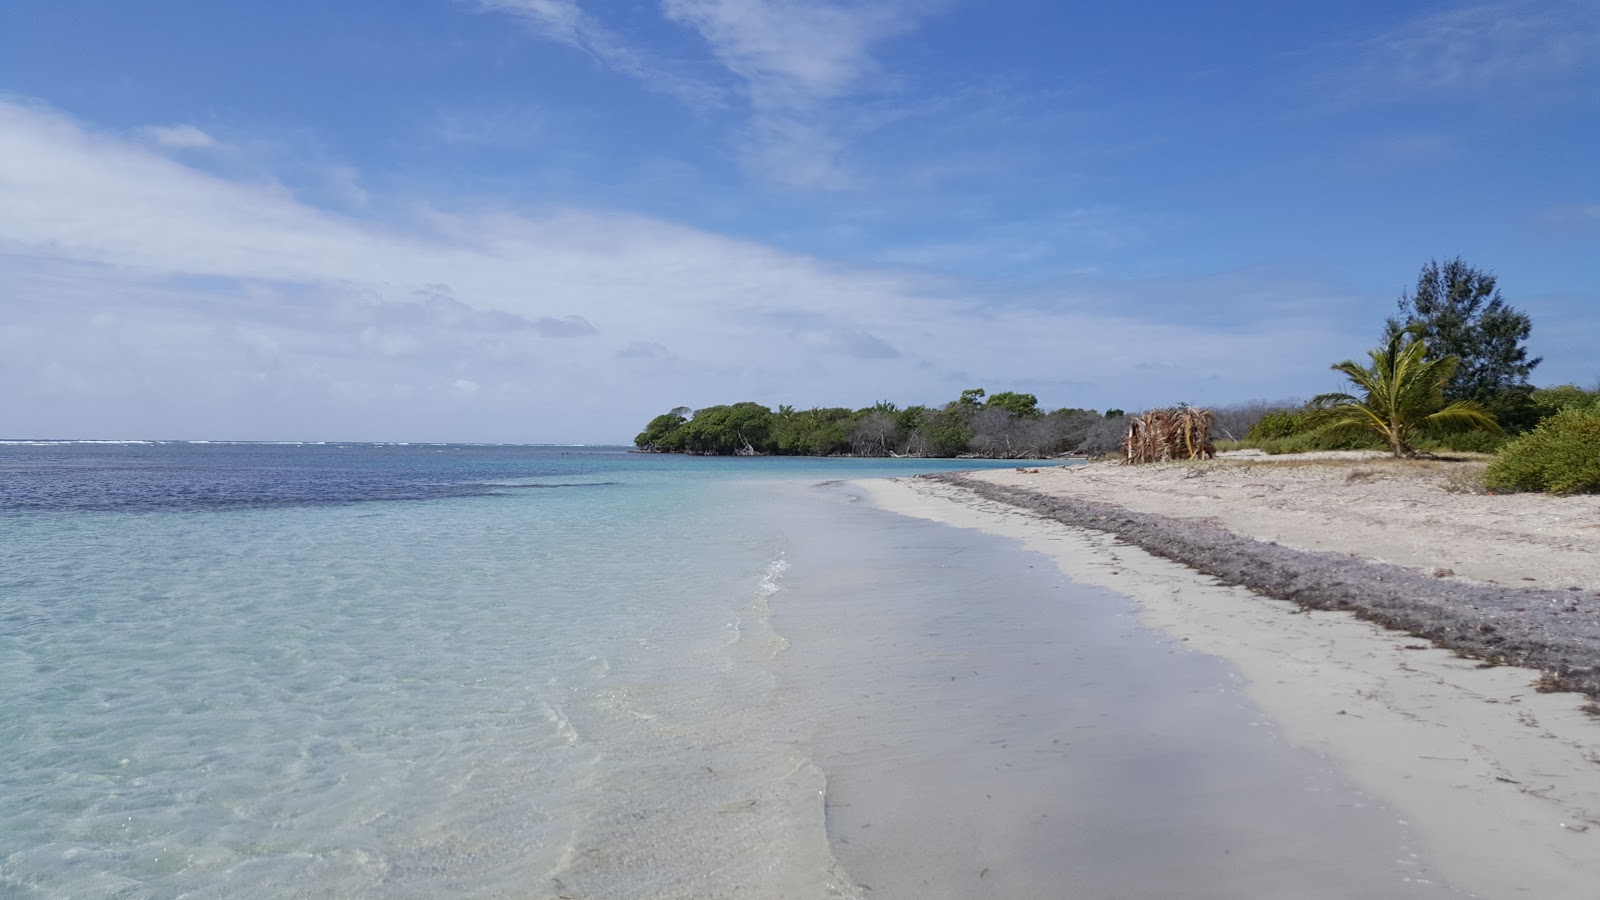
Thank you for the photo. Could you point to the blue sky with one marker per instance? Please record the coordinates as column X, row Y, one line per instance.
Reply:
column 549, row 220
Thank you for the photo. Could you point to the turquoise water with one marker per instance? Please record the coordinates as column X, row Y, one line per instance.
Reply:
column 399, row 671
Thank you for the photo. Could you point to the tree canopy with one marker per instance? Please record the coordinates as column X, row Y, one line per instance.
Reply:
column 1008, row 425
column 1458, row 311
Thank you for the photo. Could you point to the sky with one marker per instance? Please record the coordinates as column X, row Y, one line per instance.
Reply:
column 551, row 220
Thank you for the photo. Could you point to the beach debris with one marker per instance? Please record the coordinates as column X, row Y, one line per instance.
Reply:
column 1443, row 573
column 1164, row 435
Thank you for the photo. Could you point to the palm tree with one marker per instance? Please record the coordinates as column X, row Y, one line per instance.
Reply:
column 1402, row 391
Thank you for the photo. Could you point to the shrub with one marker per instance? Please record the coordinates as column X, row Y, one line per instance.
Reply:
column 1104, row 437
column 1277, row 424
column 1472, row 442
column 1551, row 400
column 1325, row 438
column 1235, row 422
column 1561, row 456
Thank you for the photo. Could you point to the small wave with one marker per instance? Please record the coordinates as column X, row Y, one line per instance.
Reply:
column 564, row 484
column 56, row 443
column 768, row 585
column 563, row 725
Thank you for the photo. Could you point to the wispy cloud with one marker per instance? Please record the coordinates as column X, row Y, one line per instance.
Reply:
column 1072, row 238
column 566, row 22
column 1478, row 47
column 794, row 60
column 646, row 350
column 1571, row 217
column 181, row 137
column 565, row 327
column 1386, row 154
column 790, row 54
column 789, row 64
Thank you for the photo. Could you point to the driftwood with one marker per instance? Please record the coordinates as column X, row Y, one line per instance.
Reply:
column 1164, row 435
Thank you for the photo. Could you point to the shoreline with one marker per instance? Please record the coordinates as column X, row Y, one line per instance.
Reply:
column 1500, row 782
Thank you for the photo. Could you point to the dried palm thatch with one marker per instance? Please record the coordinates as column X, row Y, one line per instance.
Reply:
column 1164, row 435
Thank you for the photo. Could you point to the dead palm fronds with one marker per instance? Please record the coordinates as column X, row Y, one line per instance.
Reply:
column 1164, row 435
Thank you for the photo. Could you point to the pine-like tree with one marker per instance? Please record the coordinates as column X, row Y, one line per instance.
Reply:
column 1457, row 311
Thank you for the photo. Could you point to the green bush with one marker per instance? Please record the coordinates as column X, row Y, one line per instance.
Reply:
column 1285, row 431
column 1324, row 438
column 1276, row 425
column 1561, row 456
column 1551, row 400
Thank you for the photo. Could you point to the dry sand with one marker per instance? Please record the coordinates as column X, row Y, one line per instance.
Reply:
column 1500, row 782
column 1372, row 506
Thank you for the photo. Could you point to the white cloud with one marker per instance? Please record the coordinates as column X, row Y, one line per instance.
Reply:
column 229, row 308
column 181, row 137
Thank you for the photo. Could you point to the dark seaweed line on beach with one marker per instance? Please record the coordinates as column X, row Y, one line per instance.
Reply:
column 1557, row 632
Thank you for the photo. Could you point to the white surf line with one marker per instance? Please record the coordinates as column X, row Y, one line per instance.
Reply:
column 1500, row 783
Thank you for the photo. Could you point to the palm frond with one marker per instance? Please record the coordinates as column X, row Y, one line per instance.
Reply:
column 1323, row 401
column 1463, row 415
column 1400, row 391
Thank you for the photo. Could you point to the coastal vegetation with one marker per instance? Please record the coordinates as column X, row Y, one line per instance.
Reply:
column 1560, row 455
column 1402, row 393
column 1459, row 312
column 1004, row 425
column 1450, row 375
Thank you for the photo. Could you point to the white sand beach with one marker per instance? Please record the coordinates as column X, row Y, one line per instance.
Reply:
column 1499, row 781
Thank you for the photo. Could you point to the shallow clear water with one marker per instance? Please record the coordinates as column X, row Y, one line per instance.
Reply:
column 988, row 728
column 399, row 671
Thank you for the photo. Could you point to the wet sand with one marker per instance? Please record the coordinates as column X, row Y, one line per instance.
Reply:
column 1498, row 783
column 989, row 727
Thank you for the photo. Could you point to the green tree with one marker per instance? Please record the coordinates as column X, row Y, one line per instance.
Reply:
column 1458, row 311
column 813, row 432
column 659, row 433
column 1402, row 392
column 726, row 430
column 906, row 424
column 1020, row 405
column 944, row 434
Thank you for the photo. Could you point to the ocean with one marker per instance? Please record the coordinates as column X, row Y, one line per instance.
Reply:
column 253, row 670
column 361, row 670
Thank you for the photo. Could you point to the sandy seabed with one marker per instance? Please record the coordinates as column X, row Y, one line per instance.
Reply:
column 1499, row 780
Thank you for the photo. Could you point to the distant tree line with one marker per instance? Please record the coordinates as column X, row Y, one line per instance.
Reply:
column 1004, row 425
column 1451, row 373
